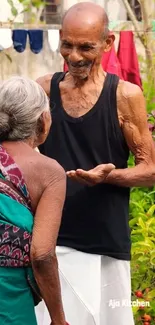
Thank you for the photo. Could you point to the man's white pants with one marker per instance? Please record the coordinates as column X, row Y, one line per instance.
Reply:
column 91, row 286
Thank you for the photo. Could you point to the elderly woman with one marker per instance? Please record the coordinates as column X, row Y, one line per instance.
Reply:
column 32, row 193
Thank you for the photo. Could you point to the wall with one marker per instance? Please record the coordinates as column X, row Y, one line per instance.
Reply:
column 30, row 64
column 26, row 63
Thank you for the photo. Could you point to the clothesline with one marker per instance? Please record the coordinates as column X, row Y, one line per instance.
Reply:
column 47, row 27
column 29, row 26
column 18, row 38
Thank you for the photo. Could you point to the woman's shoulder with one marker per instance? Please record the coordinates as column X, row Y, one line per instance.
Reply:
column 39, row 172
column 49, row 165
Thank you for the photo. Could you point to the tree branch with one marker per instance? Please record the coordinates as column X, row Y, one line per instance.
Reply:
column 133, row 19
column 147, row 14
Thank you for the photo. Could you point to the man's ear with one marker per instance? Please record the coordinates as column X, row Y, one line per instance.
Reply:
column 109, row 42
column 60, row 33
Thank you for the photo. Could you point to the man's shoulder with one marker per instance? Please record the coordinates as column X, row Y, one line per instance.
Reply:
column 129, row 98
column 45, row 82
column 127, row 90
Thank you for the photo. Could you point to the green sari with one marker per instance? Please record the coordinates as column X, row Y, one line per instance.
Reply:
column 16, row 299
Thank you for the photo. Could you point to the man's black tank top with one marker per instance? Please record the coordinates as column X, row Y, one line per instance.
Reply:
column 95, row 219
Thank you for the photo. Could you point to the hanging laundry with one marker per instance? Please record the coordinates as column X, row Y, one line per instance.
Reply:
column 65, row 67
column 53, row 39
column 128, row 58
column 36, row 40
column 19, row 37
column 5, row 38
column 110, row 62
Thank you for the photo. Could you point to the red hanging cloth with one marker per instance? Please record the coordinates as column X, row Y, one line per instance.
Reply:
column 128, row 59
column 110, row 62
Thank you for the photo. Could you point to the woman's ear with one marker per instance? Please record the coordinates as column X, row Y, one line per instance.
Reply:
column 43, row 126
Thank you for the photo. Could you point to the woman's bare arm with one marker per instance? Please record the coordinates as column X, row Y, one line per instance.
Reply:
column 46, row 226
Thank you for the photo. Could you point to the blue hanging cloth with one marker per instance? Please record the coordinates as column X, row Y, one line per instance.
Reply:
column 36, row 40
column 19, row 37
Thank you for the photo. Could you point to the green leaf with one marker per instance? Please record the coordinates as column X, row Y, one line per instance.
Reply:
column 25, row 2
column 150, row 221
column 10, row 2
column 148, row 241
column 8, row 57
column 14, row 11
column 136, row 256
column 143, row 215
column 143, row 269
column 151, row 294
column 24, row 10
column 135, row 309
column 143, row 259
column 152, row 305
column 145, row 285
column 152, row 231
column 151, row 210
column 137, row 231
column 133, row 222
column 152, row 239
column 153, row 192
column 137, row 238
column 142, row 243
column 152, row 259
column 137, row 205
column 141, row 223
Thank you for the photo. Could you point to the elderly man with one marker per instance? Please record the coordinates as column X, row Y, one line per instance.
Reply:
column 97, row 120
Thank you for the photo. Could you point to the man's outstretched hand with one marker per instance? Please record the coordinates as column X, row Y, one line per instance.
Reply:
column 93, row 176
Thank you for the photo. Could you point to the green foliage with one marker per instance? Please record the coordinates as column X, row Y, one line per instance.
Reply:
column 149, row 93
column 148, row 82
column 142, row 224
column 27, row 6
column 13, row 8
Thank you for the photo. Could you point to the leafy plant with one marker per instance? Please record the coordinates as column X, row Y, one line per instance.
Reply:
column 142, row 225
column 28, row 6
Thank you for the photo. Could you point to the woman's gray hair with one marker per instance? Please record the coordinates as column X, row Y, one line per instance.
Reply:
column 22, row 101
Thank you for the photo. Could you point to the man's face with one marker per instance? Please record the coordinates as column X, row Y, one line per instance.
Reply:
column 82, row 48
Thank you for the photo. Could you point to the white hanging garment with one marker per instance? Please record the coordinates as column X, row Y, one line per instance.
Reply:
column 5, row 38
column 53, row 39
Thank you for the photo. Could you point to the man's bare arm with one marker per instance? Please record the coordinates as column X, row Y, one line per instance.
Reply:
column 46, row 226
column 133, row 116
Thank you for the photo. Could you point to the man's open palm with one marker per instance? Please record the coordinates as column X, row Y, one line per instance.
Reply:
column 93, row 176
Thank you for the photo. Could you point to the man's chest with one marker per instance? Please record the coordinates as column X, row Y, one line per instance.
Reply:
column 77, row 102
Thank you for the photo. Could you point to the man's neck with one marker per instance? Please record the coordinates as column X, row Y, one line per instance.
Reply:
column 94, row 77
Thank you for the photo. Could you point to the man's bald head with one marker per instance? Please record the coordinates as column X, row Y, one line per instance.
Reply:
column 87, row 12
column 84, row 38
